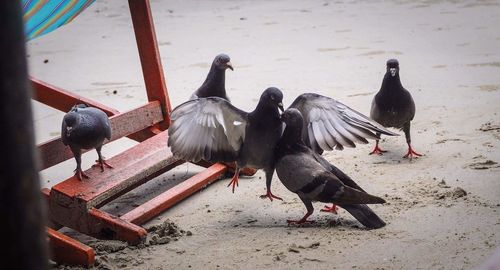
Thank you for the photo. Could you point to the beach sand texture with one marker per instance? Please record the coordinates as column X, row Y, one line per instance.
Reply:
column 449, row 54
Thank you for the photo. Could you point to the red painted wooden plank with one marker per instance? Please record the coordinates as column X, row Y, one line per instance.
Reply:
column 119, row 228
column 46, row 193
column 63, row 100
column 50, row 223
column 67, row 250
column 231, row 167
column 174, row 195
column 149, row 54
column 132, row 168
column 54, row 151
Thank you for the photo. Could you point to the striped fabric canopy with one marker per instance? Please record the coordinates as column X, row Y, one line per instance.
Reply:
column 44, row 16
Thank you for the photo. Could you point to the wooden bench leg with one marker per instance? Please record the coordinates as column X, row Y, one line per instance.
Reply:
column 174, row 195
column 66, row 250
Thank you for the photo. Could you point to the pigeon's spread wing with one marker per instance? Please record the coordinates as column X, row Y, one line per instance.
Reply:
column 330, row 124
column 207, row 128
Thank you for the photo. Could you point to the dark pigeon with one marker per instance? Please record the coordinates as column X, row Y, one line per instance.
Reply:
column 213, row 130
column 393, row 106
column 85, row 128
column 312, row 178
column 214, row 85
column 205, row 128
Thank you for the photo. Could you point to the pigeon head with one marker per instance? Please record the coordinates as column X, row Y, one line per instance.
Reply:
column 272, row 97
column 78, row 106
column 293, row 119
column 293, row 126
column 392, row 67
column 223, row 62
column 71, row 120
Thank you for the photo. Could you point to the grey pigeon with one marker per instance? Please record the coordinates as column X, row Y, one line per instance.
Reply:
column 393, row 106
column 214, row 85
column 312, row 178
column 213, row 130
column 85, row 128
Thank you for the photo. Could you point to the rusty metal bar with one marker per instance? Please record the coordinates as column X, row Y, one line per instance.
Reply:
column 150, row 56
column 174, row 195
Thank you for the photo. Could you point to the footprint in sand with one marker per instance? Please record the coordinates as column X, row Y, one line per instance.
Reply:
column 481, row 163
column 487, row 64
column 372, row 53
column 489, row 87
column 332, row 49
column 488, row 126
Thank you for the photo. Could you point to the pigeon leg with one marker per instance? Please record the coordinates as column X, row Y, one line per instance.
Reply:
column 269, row 194
column 78, row 171
column 234, row 180
column 101, row 161
column 411, row 153
column 310, row 210
column 332, row 209
column 377, row 150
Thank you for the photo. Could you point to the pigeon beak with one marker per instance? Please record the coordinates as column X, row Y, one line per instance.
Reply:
column 393, row 71
column 230, row 66
column 280, row 106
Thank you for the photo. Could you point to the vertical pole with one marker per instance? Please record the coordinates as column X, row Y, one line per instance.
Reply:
column 150, row 56
column 21, row 211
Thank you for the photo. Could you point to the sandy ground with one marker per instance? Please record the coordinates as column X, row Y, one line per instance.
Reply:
column 449, row 57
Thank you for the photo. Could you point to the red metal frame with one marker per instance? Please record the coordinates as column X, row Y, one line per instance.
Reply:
column 75, row 204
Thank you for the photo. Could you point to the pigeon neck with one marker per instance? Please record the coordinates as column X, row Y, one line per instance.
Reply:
column 292, row 135
column 267, row 110
column 215, row 81
column 290, row 142
column 391, row 83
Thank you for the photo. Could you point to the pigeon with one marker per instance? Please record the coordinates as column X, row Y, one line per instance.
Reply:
column 393, row 106
column 213, row 130
column 214, row 85
column 85, row 127
column 312, row 178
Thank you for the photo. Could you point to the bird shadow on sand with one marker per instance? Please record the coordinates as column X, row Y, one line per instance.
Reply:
column 331, row 221
column 393, row 157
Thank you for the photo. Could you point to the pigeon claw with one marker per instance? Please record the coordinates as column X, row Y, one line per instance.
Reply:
column 333, row 209
column 234, row 181
column 271, row 196
column 411, row 153
column 79, row 175
column 377, row 151
column 102, row 163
